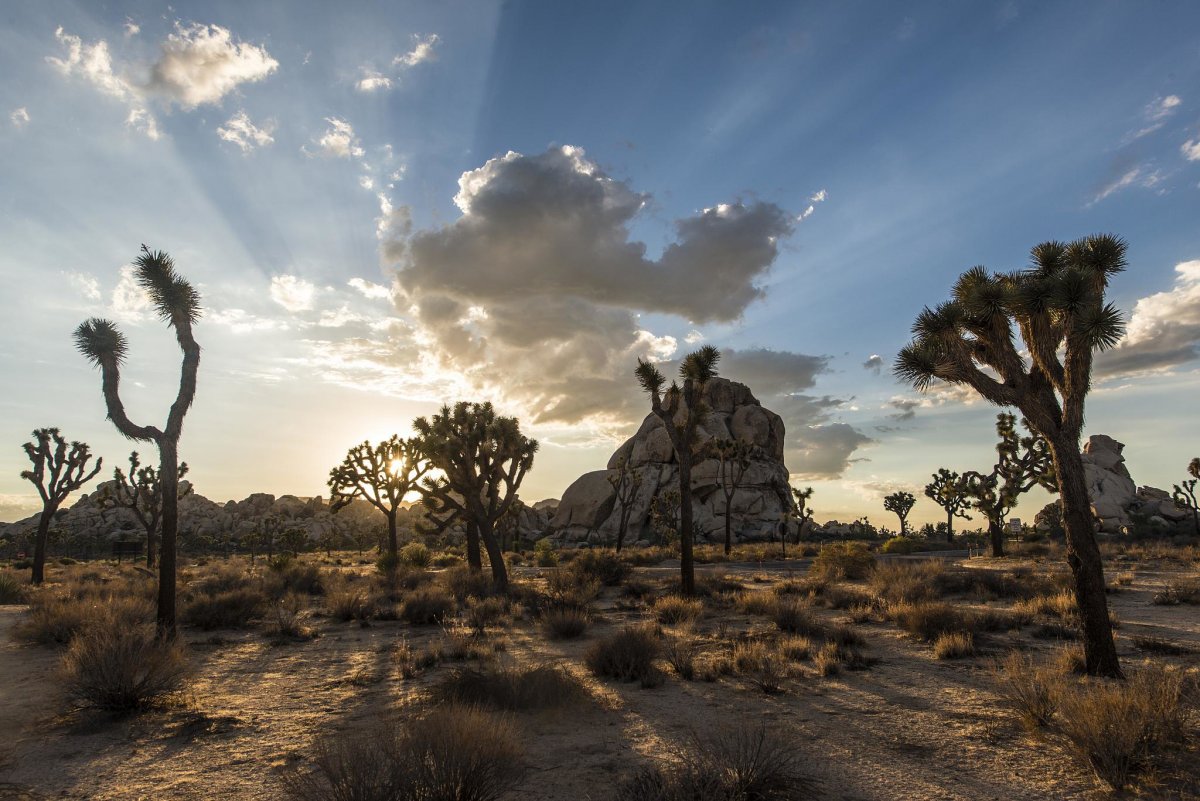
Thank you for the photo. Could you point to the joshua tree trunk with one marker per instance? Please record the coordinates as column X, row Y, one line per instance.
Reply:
column 996, row 535
column 151, row 548
column 728, row 529
column 474, row 557
column 393, row 542
column 1083, row 557
column 39, row 546
column 950, row 527
column 688, row 576
column 169, row 472
column 495, row 556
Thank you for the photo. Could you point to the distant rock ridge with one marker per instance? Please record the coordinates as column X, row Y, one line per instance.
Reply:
column 590, row 513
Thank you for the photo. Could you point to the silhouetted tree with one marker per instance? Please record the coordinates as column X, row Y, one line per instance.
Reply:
column 801, row 511
column 947, row 491
column 141, row 493
column 381, row 475
column 664, row 515
column 57, row 472
column 900, row 504
column 625, row 481
column 1057, row 306
column 682, row 409
column 1023, row 463
column 484, row 458
column 1185, row 494
column 178, row 304
column 733, row 460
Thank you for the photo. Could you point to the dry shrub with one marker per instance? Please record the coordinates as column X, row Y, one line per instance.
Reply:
column 1184, row 591
column 756, row 602
column 712, row 666
column 347, row 602
column 861, row 614
column 803, row 587
column 121, row 668
column 761, row 665
column 602, row 566
column 844, row 597
column 224, row 609
column 288, row 620
column 13, row 590
column 566, row 589
column 1118, row 729
column 954, row 645
column 1159, row 645
column 627, row 655
column 55, row 618
column 291, row 576
column 1032, row 689
column 843, row 560
column 453, row 753
column 681, row 651
column 833, row 656
column 794, row 616
column 928, row 620
column 517, row 689
column 733, row 763
column 673, row 609
column 464, row 582
column 427, row 607
column 565, row 624
column 906, row 582
column 795, row 648
column 415, row 554
column 1059, row 605
column 484, row 612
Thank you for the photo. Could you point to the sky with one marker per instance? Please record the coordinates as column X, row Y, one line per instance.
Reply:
column 390, row 206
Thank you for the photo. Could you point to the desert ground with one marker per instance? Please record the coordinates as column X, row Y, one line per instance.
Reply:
column 883, row 718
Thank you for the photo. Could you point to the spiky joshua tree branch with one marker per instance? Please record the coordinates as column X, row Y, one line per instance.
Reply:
column 381, row 475
column 58, row 470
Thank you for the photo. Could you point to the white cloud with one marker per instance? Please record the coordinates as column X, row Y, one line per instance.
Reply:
column 239, row 130
column 131, row 28
column 874, row 362
column 1163, row 331
column 85, row 284
column 202, row 63
column 366, row 182
column 292, row 293
column 19, row 117
column 94, row 64
column 129, row 301
column 339, row 140
column 422, row 51
column 143, row 122
column 369, row 289
column 1135, row 176
column 693, row 337
column 1156, row 114
column 1191, row 149
column 240, row 321
column 373, row 80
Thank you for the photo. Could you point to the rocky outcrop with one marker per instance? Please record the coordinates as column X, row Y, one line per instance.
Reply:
column 589, row 510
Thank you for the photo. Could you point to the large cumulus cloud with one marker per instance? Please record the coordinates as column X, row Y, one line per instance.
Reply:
column 1163, row 331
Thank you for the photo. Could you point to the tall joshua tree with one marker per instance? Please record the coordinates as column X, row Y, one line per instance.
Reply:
column 625, row 482
column 381, row 475
column 178, row 304
column 1023, row 463
column 682, row 409
column 1185, row 494
column 1056, row 306
column 484, row 458
column 141, row 493
column 733, row 460
column 900, row 504
column 946, row 490
column 57, row 472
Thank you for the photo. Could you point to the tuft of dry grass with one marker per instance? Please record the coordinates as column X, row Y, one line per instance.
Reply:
column 681, row 651
column 627, row 655
column 756, row 602
column 119, row 668
column 13, row 590
column 565, row 624
column 954, row 645
column 761, row 665
column 906, row 582
column 225, row 609
column 1162, row 646
column 928, row 620
column 427, row 606
column 55, row 618
column 288, row 621
column 1031, row 689
column 347, row 602
column 673, row 610
column 839, row 561
column 1184, row 591
column 516, row 689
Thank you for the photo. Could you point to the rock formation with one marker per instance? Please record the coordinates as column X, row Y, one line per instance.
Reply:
column 589, row 510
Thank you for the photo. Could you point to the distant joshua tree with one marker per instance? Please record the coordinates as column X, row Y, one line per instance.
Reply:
column 178, row 304
column 801, row 512
column 947, row 491
column 664, row 515
column 625, row 483
column 484, row 459
column 1056, row 306
column 900, row 504
column 682, row 409
column 57, row 472
column 381, row 475
column 1185, row 493
column 141, row 493
column 1023, row 463
column 733, row 460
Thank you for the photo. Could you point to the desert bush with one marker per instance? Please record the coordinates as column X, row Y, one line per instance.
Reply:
column 843, row 560
column 1159, row 645
column 452, row 753
column 415, row 554
column 954, row 645
column 347, row 602
column 220, row 578
column 906, row 582
column 569, row 590
column 291, row 576
column 801, row 587
column 484, row 612
column 565, row 623
column 516, row 689
column 836, row 597
column 544, row 553
column 1059, row 605
column 627, row 655
column 462, row 582
column 761, row 665
column 224, row 609
column 427, row 606
column 1118, row 729
column 287, row 621
column 673, row 609
column 681, row 651
column 12, row 589
column 387, row 563
column 827, row 660
column 55, row 618
column 603, row 566
column 796, row 617
column 928, row 620
column 121, row 668
column 862, row 613
column 755, row 602
column 1031, row 689
column 901, row 545
column 1186, row 591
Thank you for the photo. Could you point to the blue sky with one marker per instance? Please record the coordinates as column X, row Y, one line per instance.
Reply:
column 391, row 205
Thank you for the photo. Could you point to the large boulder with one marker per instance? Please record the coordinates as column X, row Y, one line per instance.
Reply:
column 589, row 510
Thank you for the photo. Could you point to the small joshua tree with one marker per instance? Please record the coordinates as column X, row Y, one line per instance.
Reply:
column 57, row 472
column 1057, row 308
column 947, row 491
column 141, row 493
column 1023, row 463
column 1185, row 493
column 733, row 460
column 801, row 511
column 681, row 410
column 381, row 475
column 625, row 482
column 900, row 504
column 178, row 304
column 484, row 459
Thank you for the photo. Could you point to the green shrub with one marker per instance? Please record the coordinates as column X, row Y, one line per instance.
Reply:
column 415, row 554
column 843, row 560
column 627, row 655
column 119, row 668
column 901, row 545
column 544, row 553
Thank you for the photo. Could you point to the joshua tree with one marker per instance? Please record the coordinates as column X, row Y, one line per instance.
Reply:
column 178, row 304
column 664, row 515
column 57, row 472
column 381, row 475
column 900, row 504
column 508, row 528
column 1057, row 307
column 625, row 483
column 1023, row 463
column 947, row 491
column 682, row 409
column 733, row 460
column 1185, row 493
column 141, row 493
column 484, row 458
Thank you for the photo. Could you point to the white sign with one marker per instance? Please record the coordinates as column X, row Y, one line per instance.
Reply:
column 1014, row 525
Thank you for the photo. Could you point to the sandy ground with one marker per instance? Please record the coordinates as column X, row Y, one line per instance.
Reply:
column 911, row 727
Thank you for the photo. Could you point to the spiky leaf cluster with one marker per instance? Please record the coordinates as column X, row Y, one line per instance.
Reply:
column 58, row 468
column 1023, row 462
column 379, row 474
